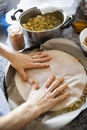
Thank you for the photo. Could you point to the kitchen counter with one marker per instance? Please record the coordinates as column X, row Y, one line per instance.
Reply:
column 80, row 122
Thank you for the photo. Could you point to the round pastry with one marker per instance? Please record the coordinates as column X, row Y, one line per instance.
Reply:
column 62, row 64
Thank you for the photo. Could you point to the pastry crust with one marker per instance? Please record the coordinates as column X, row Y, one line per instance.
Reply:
column 62, row 64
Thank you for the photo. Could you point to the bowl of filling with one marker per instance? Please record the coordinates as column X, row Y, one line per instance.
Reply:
column 40, row 26
column 83, row 40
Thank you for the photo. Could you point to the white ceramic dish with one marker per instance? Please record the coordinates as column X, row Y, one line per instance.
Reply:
column 82, row 37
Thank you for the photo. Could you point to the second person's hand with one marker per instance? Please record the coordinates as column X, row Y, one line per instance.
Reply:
column 21, row 62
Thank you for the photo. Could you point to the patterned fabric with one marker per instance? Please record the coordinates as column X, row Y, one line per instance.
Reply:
column 4, row 108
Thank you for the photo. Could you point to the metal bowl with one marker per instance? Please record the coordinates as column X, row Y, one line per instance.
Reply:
column 41, row 36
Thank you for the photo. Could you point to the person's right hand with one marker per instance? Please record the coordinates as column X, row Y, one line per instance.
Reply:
column 49, row 95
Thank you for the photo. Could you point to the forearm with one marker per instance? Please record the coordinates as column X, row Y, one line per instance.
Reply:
column 19, row 118
column 6, row 52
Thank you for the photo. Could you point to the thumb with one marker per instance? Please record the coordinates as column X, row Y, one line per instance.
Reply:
column 23, row 74
column 34, row 84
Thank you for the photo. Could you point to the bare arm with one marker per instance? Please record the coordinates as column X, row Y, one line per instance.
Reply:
column 21, row 62
column 35, row 105
column 19, row 118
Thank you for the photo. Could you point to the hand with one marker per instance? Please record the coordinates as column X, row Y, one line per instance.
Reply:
column 21, row 62
column 49, row 95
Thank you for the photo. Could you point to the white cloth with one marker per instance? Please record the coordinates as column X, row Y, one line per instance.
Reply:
column 4, row 107
column 26, row 4
column 68, row 6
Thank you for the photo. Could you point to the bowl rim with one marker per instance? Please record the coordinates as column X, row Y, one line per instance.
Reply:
column 43, row 31
column 82, row 40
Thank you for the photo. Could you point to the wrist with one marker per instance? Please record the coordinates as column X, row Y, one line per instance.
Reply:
column 34, row 109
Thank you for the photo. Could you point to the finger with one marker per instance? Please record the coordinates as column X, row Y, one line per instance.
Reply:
column 35, row 53
column 39, row 65
column 23, row 74
column 33, row 83
column 49, row 81
column 56, row 83
column 62, row 97
column 59, row 90
column 41, row 60
column 39, row 56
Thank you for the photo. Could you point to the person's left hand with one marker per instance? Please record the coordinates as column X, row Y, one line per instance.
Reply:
column 21, row 62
